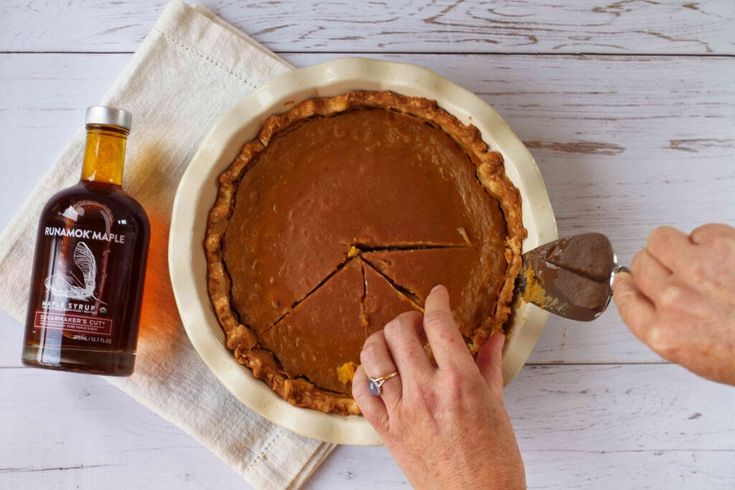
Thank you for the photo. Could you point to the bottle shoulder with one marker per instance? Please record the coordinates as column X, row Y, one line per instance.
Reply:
column 73, row 200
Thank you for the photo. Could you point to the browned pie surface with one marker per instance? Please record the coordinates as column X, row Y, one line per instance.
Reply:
column 324, row 331
column 370, row 177
column 343, row 213
column 473, row 276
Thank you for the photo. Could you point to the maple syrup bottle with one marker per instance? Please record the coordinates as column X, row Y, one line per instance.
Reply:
column 89, row 265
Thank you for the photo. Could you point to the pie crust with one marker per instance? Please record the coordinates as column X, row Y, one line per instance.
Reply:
column 267, row 284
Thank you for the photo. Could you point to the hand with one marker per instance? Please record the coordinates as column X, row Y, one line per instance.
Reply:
column 680, row 298
column 445, row 425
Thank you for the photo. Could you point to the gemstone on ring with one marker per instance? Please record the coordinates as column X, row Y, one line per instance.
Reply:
column 375, row 385
column 374, row 388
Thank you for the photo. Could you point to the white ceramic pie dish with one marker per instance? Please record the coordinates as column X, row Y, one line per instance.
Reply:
column 198, row 187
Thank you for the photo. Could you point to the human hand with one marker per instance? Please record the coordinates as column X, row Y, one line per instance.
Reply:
column 445, row 425
column 680, row 298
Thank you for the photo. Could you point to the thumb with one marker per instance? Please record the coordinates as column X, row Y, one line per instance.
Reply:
column 490, row 361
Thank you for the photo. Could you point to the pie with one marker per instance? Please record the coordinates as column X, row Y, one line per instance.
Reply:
column 344, row 212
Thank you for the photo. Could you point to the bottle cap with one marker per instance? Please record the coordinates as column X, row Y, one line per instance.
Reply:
column 98, row 114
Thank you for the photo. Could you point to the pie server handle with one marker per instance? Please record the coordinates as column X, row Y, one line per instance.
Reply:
column 571, row 277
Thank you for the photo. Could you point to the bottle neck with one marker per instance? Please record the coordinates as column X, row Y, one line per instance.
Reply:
column 104, row 154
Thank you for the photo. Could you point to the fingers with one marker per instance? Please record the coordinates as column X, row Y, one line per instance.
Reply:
column 441, row 330
column 651, row 277
column 716, row 269
column 490, row 361
column 377, row 361
column 708, row 233
column 635, row 308
column 372, row 407
column 697, row 264
column 672, row 248
column 403, row 336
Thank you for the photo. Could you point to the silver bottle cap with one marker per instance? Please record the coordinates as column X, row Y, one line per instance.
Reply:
column 98, row 114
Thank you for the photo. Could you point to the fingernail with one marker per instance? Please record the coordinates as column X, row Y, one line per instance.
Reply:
column 436, row 288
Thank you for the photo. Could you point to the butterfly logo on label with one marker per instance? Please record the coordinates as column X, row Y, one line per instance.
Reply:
column 60, row 285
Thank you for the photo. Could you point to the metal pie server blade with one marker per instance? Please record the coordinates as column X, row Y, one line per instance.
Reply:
column 570, row 277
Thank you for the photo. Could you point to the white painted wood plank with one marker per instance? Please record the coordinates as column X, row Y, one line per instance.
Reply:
column 357, row 468
column 506, row 26
column 620, row 154
column 42, row 104
column 578, row 427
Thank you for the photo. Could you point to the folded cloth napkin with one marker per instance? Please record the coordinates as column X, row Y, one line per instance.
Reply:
column 190, row 69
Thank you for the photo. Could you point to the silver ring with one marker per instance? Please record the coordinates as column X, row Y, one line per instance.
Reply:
column 617, row 269
column 375, row 385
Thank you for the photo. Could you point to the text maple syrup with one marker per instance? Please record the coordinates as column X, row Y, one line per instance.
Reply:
column 89, row 266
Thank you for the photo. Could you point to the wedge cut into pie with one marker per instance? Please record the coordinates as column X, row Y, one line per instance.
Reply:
column 343, row 213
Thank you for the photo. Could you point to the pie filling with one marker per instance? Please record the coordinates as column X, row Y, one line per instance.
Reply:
column 343, row 213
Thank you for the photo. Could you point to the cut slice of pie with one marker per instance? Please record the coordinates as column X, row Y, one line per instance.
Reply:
column 473, row 276
column 323, row 332
column 383, row 302
column 331, row 179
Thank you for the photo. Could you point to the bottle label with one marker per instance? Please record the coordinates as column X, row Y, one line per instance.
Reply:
column 73, row 323
column 57, row 231
column 78, row 295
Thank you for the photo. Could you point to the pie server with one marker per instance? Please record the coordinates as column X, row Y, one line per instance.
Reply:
column 570, row 277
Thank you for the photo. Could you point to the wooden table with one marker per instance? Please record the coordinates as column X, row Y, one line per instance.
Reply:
column 628, row 107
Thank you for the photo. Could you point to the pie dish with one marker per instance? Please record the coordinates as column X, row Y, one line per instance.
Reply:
column 343, row 212
column 198, row 188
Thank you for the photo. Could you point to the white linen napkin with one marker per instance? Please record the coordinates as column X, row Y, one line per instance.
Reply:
column 190, row 69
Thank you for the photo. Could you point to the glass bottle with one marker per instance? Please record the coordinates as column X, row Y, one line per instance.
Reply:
column 90, row 260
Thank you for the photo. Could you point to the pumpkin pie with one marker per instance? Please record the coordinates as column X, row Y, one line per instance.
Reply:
column 344, row 212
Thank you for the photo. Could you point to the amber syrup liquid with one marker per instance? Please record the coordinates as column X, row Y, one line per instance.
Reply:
column 89, row 268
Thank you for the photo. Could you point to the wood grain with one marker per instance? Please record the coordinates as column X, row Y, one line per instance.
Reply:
column 454, row 26
column 596, row 427
column 42, row 105
column 374, row 469
column 606, row 131
column 578, row 427
column 63, row 430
